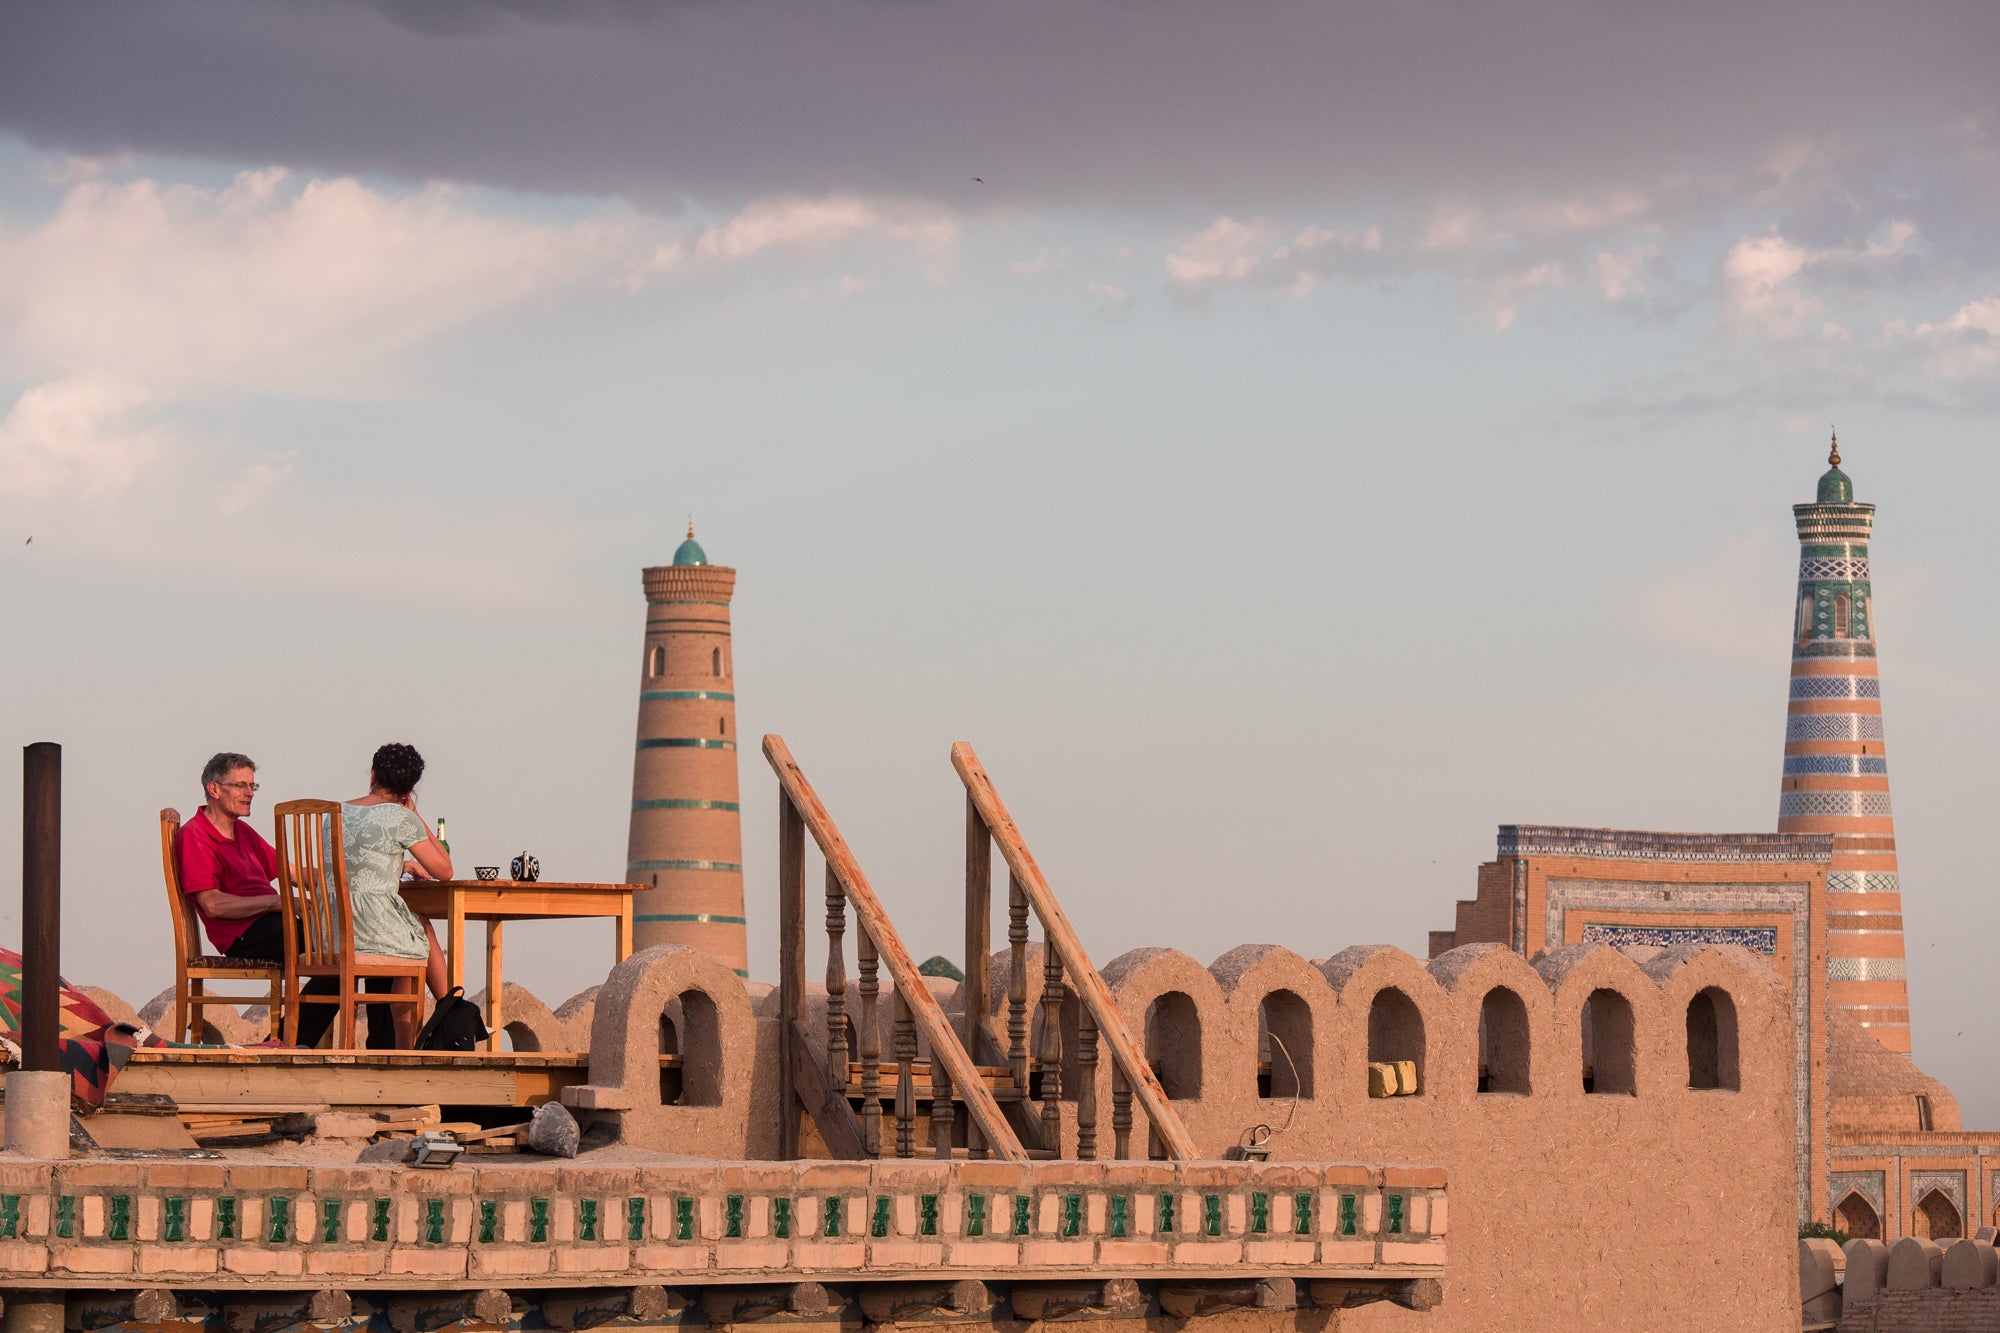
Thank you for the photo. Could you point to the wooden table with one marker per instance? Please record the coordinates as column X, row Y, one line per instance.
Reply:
column 498, row 901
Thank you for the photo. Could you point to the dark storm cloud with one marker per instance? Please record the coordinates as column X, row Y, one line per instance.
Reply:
column 1056, row 103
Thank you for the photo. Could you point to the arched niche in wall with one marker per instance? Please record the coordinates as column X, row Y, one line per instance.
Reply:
column 656, row 661
column 690, row 1030
column 1504, row 1043
column 1396, row 1032
column 1173, row 1043
column 1711, row 1040
column 1284, row 1046
column 1610, row 1045
column 1936, row 1217
column 1858, row 1218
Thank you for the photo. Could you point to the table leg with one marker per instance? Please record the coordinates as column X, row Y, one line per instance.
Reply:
column 454, row 946
column 494, row 1019
column 623, row 945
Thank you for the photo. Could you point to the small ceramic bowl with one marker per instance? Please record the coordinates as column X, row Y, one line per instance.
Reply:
column 486, row 872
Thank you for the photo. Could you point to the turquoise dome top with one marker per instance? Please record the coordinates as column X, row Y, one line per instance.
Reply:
column 689, row 552
column 1835, row 488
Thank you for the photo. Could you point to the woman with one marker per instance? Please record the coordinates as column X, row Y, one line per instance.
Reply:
column 377, row 830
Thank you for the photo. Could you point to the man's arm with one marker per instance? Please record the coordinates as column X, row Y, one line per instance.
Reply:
column 234, row 906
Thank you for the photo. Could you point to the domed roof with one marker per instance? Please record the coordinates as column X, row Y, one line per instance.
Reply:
column 1836, row 487
column 689, row 552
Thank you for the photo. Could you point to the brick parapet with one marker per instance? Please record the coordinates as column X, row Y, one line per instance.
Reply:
column 125, row 1224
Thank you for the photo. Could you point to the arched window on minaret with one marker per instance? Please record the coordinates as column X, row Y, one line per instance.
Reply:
column 1842, row 621
column 715, row 661
column 1805, row 616
column 656, row 661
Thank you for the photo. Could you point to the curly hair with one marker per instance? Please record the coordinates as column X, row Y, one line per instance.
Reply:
column 398, row 768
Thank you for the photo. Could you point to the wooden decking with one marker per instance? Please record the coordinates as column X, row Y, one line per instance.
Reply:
column 227, row 1079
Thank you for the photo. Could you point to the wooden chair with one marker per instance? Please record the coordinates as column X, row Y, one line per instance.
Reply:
column 312, row 874
column 193, row 969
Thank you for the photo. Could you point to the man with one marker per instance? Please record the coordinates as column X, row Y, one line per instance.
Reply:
column 228, row 869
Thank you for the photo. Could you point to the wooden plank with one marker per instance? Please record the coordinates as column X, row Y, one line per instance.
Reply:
column 335, row 1085
column 978, row 922
column 1059, row 935
column 791, row 967
column 874, row 920
column 831, row 1114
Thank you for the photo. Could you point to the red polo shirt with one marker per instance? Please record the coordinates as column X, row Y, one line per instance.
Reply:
column 243, row 865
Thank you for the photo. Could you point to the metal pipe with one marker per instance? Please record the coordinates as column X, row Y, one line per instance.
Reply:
column 41, row 906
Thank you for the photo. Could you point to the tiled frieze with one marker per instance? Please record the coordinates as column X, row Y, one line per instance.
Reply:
column 1834, row 727
column 1863, row 881
column 1526, row 840
column 1834, row 804
column 1951, row 1184
column 1868, row 1184
column 1835, row 765
column 1841, row 568
column 1867, row 969
column 778, row 1221
column 1836, row 687
column 1757, row 939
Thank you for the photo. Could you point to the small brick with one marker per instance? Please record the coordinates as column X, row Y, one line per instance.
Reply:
column 168, row 1177
column 408, row 1219
column 146, row 1217
column 509, row 1263
column 20, row 1257
column 1414, row 1177
column 345, row 1125
column 1349, row 1253
column 269, row 1179
column 1279, row 1251
column 1437, row 1202
column 1055, row 1254
column 903, row 1208
column 263, row 1263
column 19, row 1177
column 708, row 1217
column 427, row 1263
column 1417, row 1252
column 593, row 1259
column 1416, row 1214
column 737, row 1255
column 982, row 1254
column 757, row 1221
column 93, row 1216
column 201, row 1218
column 832, row 1177
column 756, row 1177
column 1235, row 1214
column 1048, row 1215
column 951, row 1214
column 111, row 1177
column 176, row 1259
column 1067, row 1172
column 1371, row 1213
column 1137, row 1176
column 1212, row 1177
column 1207, row 1253
column 670, row 1258
column 40, row 1207
column 1145, row 1212
column 1357, row 1176
column 815, row 1255
column 94, row 1258
column 1095, row 1209
column 461, row 1213
column 345, row 1263
column 904, row 1254
column 1132, row 1253
column 991, row 1175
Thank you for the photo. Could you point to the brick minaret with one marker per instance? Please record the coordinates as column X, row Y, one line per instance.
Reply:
column 1836, row 773
column 687, row 839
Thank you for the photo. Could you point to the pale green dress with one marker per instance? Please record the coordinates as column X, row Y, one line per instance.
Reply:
column 377, row 837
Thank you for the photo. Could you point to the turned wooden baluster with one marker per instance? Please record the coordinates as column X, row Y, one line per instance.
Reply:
column 836, row 983
column 1121, row 1114
column 906, row 1094
column 1051, row 1052
column 870, row 1035
column 1086, row 1086
column 941, row 1111
column 1017, row 985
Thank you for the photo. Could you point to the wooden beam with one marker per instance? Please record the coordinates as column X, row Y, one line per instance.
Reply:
column 1059, row 935
column 791, row 967
column 868, row 911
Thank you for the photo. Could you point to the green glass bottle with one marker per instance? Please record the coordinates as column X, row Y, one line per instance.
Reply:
column 443, row 841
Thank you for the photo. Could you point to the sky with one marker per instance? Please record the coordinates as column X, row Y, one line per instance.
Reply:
column 1287, row 440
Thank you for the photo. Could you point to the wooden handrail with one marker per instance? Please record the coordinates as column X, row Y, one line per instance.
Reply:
column 1059, row 936
column 910, row 987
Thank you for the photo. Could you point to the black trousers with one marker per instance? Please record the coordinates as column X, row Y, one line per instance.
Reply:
column 264, row 942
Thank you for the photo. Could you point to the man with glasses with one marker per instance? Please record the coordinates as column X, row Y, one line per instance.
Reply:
column 229, row 871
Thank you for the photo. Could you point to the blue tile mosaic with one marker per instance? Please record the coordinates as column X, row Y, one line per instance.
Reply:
column 1866, row 969
column 1834, row 804
column 1837, row 765
column 1863, row 881
column 1868, row 1184
column 1951, row 1184
column 1849, row 568
column 1834, row 727
column 1612, row 844
column 1836, row 687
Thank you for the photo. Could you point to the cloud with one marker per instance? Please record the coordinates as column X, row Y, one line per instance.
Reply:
column 1224, row 251
column 75, row 433
column 256, row 480
column 1967, row 342
column 1618, row 276
column 1112, row 301
column 816, row 224
column 1044, row 261
column 1758, row 291
column 1495, row 302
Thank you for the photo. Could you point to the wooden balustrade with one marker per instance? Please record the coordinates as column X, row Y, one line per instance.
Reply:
column 824, row 1092
column 1062, row 953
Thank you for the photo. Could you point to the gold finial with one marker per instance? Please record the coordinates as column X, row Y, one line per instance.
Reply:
column 690, row 527
column 1833, row 454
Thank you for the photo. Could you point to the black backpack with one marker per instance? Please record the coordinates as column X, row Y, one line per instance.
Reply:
column 454, row 1025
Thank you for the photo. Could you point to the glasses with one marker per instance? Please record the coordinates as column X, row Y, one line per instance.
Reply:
column 241, row 786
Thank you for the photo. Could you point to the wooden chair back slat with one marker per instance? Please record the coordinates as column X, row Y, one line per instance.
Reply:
column 187, row 926
column 312, row 870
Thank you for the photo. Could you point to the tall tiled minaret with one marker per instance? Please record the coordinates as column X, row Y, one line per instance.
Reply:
column 687, row 838
column 1836, row 773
